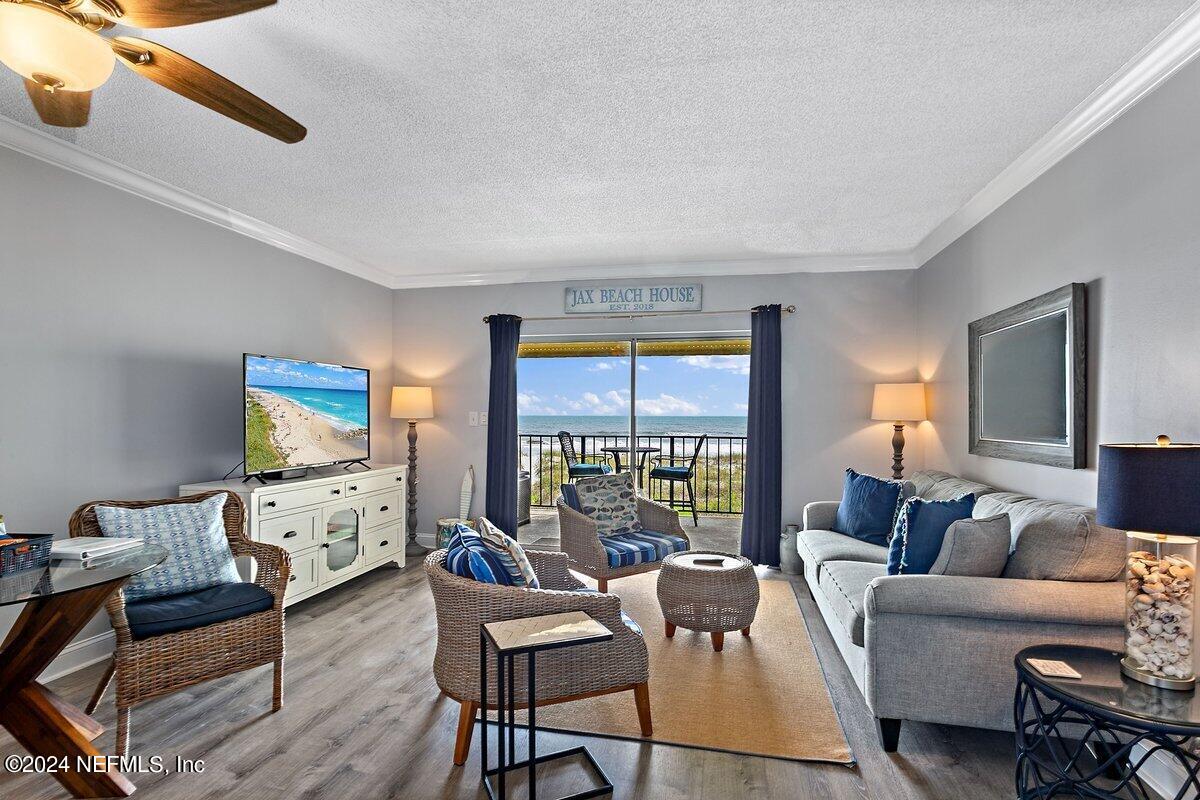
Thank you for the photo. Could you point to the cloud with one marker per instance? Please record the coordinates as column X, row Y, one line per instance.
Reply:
column 741, row 406
column 600, row 366
column 530, row 403
column 739, row 365
column 643, row 368
column 667, row 405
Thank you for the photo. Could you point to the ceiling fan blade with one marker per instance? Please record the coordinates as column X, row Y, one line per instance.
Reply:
column 200, row 84
column 168, row 13
column 60, row 107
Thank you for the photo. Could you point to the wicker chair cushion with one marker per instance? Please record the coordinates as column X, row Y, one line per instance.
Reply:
column 469, row 556
column 677, row 473
column 610, row 501
column 582, row 470
column 570, row 496
column 184, row 612
column 500, row 540
column 193, row 535
column 642, row 547
column 629, row 621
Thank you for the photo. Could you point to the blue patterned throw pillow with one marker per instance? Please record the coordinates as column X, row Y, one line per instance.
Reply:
column 505, row 544
column 920, row 528
column 611, row 502
column 193, row 534
column 470, row 556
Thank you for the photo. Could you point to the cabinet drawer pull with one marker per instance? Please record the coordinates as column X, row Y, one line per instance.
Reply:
column 270, row 504
column 291, row 535
column 353, row 488
column 383, row 508
column 399, row 478
column 291, row 578
column 337, row 491
column 325, row 545
column 384, row 543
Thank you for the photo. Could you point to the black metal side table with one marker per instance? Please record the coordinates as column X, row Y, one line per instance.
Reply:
column 1122, row 722
column 528, row 636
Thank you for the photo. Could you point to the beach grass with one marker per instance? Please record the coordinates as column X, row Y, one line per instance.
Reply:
column 260, row 450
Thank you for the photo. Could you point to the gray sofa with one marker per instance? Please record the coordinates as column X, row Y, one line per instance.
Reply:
column 939, row 648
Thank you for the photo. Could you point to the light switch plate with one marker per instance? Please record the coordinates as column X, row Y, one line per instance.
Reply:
column 483, row 417
column 473, row 419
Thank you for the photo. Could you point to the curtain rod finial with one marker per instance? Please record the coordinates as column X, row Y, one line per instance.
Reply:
column 790, row 309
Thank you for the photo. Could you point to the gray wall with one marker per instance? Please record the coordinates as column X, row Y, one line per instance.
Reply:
column 1120, row 214
column 852, row 330
column 122, row 325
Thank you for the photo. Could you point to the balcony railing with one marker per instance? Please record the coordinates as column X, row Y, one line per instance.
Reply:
column 720, row 470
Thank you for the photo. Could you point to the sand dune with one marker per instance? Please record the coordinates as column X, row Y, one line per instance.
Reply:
column 303, row 437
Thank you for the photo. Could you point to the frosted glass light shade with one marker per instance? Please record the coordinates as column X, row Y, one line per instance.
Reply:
column 37, row 41
column 899, row 402
column 412, row 402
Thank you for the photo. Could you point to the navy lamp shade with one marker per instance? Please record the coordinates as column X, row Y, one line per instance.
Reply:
column 1152, row 487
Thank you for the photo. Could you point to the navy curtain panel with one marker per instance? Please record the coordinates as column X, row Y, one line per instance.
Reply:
column 762, row 515
column 500, row 502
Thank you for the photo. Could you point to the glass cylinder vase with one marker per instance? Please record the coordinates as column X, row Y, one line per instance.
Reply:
column 1159, row 626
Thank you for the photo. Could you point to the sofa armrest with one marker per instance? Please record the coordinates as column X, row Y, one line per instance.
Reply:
column 1068, row 602
column 819, row 516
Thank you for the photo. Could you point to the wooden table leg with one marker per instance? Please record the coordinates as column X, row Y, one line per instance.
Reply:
column 44, row 723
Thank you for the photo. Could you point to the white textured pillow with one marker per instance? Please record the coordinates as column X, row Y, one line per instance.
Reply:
column 975, row 548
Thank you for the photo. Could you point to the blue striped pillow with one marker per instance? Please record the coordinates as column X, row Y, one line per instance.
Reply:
column 469, row 556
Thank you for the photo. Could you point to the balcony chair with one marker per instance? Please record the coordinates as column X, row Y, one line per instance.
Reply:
column 680, row 469
column 463, row 604
column 579, row 467
column 604, row 558
column 164, row 644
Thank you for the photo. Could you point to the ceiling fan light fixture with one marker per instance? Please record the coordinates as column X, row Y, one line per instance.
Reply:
column 48, row 47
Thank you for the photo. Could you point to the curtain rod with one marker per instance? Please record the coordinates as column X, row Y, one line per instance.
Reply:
column 785, row 309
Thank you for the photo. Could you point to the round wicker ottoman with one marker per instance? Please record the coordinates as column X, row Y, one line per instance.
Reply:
column 714, row 598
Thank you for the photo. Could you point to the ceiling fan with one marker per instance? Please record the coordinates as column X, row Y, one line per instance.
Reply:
column 56, row 46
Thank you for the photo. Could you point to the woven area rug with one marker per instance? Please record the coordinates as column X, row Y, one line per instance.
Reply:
column 763, row 695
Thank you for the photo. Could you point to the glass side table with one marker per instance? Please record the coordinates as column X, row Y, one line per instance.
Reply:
column 1122, row 721
column 528, row 636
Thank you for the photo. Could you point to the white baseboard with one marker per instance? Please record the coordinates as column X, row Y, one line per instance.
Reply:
column 427, row 539
column 79, row 654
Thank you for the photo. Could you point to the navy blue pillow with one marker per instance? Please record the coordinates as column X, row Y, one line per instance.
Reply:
column 868, row 507
column 920, row 528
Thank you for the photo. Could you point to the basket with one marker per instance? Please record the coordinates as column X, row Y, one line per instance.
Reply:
column 25, row 551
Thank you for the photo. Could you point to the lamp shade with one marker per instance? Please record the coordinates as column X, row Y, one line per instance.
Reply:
column 899, row 401
column 412, row 402
column 1150, row 487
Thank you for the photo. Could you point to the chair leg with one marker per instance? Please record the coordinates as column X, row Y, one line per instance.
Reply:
column 692, row 503
column 102, row 687
column 889, row 733
column 602, row 585
column 277, row 696
column 122, row 731
column 641, row 696
column 466, row 726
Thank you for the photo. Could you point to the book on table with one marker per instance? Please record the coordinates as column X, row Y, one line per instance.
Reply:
column 84, row 547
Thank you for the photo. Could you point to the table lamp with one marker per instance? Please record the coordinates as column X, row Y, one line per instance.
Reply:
column 412, row 403
column 899, row 403
column 1152, row 492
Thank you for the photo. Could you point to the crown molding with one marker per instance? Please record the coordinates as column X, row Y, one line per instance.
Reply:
column 1169, row 52
column 699, row 269
column 70, row 156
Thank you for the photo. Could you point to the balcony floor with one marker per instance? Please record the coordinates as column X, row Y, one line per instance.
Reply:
column 722, row 532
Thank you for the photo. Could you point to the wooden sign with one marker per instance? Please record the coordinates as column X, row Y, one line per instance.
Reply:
column 640, row 298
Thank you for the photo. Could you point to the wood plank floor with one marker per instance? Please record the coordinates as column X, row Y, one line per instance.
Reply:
column 362, row 718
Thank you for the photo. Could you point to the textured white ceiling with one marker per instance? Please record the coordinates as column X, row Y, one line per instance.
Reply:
column 471, row 137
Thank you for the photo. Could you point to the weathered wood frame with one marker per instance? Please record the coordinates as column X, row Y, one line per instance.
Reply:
column 1071, row 299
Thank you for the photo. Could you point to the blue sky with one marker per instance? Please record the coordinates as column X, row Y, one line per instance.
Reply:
column 280, row 372
column 667, row 386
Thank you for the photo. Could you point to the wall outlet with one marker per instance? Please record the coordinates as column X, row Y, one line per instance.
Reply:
column 483, row 417
column 473, row 419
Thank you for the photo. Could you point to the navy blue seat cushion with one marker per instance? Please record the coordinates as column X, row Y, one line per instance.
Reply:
column 676, row 473
column 570, row 496
column 868, row 508
column 643, row 547
column 184, row 612
column 628, row 620
column 582, row 470
column 920, row 528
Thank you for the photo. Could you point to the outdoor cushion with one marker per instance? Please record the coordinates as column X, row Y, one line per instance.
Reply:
column 817, row 546
column 193, row 534
column 920, row 529
column 469, row 555
column 628, row 620
column 610, row 501
column 868, row 507
column 184, row 612
column 642, row 547
column 844, row 584
column 678, row 472
column 582, row 470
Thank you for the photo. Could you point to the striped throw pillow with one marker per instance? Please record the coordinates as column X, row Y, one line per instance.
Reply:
column 469, row 556
column 501, row 541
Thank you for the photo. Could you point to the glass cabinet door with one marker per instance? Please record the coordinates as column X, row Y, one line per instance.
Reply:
column 342, row 545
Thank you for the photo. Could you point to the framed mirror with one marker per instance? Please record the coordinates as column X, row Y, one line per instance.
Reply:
column 1028, row 380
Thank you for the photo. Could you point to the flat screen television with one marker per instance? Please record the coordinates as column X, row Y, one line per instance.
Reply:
column 304, row 414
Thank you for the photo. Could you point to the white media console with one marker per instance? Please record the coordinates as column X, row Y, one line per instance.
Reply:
column 335, row 526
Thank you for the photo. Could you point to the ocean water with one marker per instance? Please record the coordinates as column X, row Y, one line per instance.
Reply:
column 346, row 408
column 647, row 425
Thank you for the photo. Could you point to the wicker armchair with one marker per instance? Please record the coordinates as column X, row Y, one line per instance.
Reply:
column 572, row 673
column 580, row 541
column 160, row 665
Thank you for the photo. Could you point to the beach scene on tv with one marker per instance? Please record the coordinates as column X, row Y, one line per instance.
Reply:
column 300, row 413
